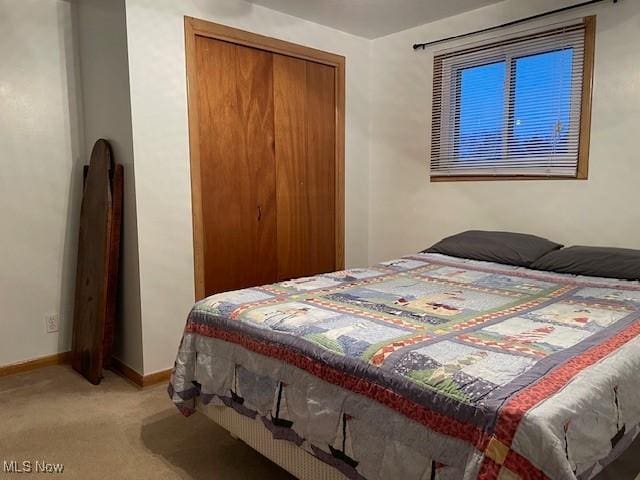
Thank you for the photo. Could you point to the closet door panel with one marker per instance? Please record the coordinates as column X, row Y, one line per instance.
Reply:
column 304, row 103
column 236, row 133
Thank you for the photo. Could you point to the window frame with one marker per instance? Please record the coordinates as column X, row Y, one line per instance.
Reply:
column 450, row 78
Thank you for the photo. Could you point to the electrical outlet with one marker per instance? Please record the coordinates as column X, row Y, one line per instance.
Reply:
column 52, row 323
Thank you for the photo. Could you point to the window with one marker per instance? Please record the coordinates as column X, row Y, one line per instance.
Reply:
column 517, row 109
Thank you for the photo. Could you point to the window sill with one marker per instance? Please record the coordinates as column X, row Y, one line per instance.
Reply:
column 493, row 178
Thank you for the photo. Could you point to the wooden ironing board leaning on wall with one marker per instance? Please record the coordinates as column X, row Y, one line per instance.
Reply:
column 97, row 267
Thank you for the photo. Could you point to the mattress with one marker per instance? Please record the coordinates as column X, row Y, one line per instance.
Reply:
column 427, row 367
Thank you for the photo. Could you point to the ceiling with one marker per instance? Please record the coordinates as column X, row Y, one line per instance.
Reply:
column 373, row 18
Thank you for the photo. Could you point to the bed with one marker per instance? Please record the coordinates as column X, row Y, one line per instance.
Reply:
column 425, row 367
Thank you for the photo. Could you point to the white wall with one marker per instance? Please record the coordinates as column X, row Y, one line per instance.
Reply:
column 408, row 213
column 40, row 176
column 104, row 70
column 155, row 31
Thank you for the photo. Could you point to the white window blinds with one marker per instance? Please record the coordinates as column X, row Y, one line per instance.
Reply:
column 510, row 108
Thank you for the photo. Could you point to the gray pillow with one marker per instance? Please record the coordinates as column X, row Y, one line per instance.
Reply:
column 593, row 261
column 501, row 247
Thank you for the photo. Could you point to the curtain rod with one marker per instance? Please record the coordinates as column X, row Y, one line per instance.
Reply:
column 417, row 46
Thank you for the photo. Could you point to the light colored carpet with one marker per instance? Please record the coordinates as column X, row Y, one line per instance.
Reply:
column 115, row 431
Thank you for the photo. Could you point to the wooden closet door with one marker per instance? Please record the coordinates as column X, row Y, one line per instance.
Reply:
column 237, row 164
column 304, row 103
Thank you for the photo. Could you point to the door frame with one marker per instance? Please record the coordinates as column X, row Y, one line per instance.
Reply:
column 194, row 27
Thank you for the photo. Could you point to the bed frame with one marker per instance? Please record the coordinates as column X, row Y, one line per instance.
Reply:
column 287, row 455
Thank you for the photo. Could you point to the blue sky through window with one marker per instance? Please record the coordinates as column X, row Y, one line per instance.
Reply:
column 481, row 111
column 542, row 101
column 540, row 104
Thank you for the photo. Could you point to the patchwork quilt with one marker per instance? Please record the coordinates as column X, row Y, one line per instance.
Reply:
column 427, row 367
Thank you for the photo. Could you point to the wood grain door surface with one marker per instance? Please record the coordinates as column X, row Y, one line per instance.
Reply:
column 267, row 165
column 237, row 164
column 304, row 96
